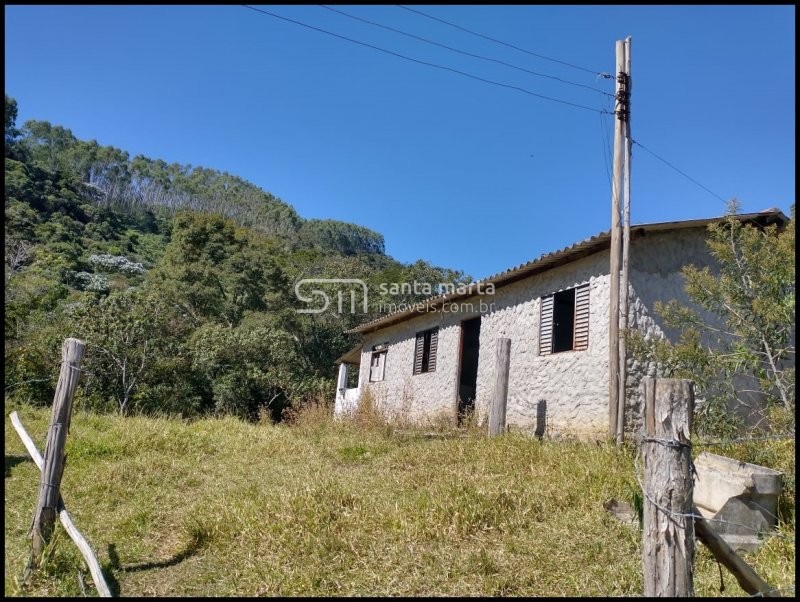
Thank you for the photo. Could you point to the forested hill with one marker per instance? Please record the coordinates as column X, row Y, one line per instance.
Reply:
column 180, row 279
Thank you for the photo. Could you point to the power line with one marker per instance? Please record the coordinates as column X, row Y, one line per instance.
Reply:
column 485, row 37
column 688, row 177
column 408, row 58
column 606, row 150
column 465, row 53
column 605, row 136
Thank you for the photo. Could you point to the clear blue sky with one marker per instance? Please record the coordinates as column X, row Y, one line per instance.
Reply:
column 461, row 173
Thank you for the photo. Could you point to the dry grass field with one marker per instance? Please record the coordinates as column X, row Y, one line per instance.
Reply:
column 220, row 507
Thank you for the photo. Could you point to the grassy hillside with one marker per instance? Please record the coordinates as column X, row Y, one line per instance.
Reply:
column 222, row 507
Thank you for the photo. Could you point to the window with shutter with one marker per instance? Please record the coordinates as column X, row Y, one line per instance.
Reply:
column 564, row 321
column 425, row 348
column 377, row 366
column 434, row 345
column 546, row 326
column 418, row 352
column 581, row 318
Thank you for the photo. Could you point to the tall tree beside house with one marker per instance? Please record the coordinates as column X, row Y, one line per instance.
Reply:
column 750, row 352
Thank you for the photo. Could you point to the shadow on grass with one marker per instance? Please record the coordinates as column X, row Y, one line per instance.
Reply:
column 12, row 461
column 114, row 564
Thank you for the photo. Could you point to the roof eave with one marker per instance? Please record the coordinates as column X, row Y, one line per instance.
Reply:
column 584, row 248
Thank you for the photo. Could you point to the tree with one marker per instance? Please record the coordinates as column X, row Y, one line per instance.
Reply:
column 134, row 343
column 255, row 367
column 387, row 285
column 748, row 352
column 47, row 144
column 341, row 237
column 11, row 121
column 216, row 272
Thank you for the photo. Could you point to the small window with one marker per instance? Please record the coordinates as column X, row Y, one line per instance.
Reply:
column 425, row 351
column 378, row 362
column 564, row 323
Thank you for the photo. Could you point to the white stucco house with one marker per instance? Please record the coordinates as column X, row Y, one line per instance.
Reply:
column 437, row 359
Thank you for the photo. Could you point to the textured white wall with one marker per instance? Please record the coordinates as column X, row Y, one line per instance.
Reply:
column 655, row 275
column 563, row 393
column 560, row 393
column 423, row 396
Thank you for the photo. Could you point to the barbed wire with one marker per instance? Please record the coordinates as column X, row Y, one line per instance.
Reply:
column 47, row 378
column 781, row 437
column 755, row 503
column 30, row 380
column 774, row 590
column 672, row 513
column 676, row 443
column 788, row 436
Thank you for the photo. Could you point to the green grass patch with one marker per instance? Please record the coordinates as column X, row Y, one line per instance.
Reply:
column 220, row 507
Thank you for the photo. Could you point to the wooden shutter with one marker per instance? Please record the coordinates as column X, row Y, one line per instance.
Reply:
column 546, row 326
column 581, row 340
column 419, row 347
column 432, row 351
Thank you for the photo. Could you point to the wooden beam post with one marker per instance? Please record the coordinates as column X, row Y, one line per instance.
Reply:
column 747, row 578
column 54, row 457
column 497, row 412
column 668, row 525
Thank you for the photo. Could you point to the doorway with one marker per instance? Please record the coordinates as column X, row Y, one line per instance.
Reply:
column 468, row 373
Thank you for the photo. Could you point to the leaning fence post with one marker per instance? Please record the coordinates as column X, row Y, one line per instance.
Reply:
column 497, row 412
column 66, row 520
column 668, row 527
column 49, row 487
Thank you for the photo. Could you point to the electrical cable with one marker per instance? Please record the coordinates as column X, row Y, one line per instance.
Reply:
column 464, row 52
column 408, row 58
column 688, row 177
column 485, row 37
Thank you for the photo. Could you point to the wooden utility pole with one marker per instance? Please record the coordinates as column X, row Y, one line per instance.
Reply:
column 497, row 413
column 54, row 457
column 668, row 513
column 626, row 242
column 614, row 268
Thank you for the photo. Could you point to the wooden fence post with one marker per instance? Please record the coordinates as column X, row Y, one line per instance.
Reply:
column 49, row 487
column 497, row 413
column 668, row 526
column 66, row 519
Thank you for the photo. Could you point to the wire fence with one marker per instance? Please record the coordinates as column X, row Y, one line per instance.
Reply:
column 688, row 445
column 752, row 439
column 41, row 379
column 686, row 520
